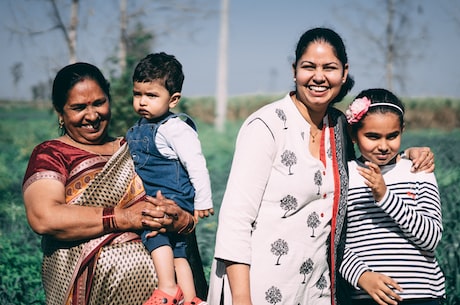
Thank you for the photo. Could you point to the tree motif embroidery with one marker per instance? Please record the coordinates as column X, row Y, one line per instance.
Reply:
column 306, row 268
column 288, row 203
column 254, row 226
column 273, row 295
column 279, row 248
column 313, row 222
column 282, row 116
column 288, row 158
column 318, row 180
column 321, row 284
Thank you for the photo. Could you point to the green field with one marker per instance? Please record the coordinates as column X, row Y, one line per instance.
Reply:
column 22, row 127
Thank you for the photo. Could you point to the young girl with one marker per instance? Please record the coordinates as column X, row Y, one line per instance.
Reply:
column 394, row 215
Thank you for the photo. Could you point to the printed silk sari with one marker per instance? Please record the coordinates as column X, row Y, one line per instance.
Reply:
column 112, row 269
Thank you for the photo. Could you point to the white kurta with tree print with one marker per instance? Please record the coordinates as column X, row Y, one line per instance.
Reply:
column 276, row 211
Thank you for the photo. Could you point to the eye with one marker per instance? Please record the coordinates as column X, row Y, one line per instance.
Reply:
column 308, row 66
column 99, row 102
column 372, row 136
column 393, row 136
column 329, row 68
column 78, row 107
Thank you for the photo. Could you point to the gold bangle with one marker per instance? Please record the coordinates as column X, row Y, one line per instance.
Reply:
column 189, row 227
column 108, row 220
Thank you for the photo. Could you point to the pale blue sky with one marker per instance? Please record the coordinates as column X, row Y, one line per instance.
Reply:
column 263, row 35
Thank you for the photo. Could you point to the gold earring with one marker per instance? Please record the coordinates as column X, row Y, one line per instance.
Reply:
column 61, row 123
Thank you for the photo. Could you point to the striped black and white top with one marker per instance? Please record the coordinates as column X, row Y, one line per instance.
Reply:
column 396, row 236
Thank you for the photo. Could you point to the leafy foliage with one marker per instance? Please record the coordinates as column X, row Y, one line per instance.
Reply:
column 20, row 260
column 123, row 115
column 445, row 147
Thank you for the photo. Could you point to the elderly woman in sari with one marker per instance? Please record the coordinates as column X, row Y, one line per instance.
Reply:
column 82, row 195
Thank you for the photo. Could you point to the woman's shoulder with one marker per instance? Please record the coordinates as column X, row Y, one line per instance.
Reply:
column 276, row 111
column 56, row 154
column 55, row 147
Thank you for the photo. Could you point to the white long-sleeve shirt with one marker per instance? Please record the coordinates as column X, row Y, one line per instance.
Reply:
column 177, row 140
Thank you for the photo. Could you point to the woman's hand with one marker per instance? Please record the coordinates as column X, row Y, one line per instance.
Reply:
column 144, row 215
column 164, row 214
column 422, row 159
column 380, row 287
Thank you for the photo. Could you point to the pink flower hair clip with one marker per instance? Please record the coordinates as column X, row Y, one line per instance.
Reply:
column 357, row 109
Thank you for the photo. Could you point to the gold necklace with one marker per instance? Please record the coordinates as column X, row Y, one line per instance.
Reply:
column 314, row 135
column 84, row 147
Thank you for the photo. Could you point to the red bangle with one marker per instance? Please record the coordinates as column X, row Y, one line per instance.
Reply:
column 108, row 219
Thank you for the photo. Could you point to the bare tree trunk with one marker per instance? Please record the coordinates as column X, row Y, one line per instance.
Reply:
column 221, row 93
column 123, row 36
column 390, row 49
column 70, row 34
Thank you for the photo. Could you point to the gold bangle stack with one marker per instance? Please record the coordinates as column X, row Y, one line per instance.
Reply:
column 187, row 229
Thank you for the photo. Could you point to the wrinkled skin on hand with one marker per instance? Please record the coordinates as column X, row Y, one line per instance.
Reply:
column 165, row 215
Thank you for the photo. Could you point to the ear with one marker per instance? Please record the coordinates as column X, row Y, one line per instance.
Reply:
column 174, row 100
column 345, row 73
column 294, row 72
column 354, row 139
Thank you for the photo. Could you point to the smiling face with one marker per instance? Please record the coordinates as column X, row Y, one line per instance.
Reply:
column 86, row 113
column 152, row 100
column 379, row 137
column 319, row 75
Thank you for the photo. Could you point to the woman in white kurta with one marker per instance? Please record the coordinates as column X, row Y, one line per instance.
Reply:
column 284, row 199
column 278, row 218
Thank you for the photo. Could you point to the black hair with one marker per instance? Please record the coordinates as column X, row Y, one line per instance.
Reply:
column 160, row 66
column 384, row 99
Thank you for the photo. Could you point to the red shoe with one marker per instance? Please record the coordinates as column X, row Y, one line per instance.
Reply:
column 196, row 301
column 159, row 297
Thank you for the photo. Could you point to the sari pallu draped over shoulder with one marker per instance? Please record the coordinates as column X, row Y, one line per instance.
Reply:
column 112, row 269
column 343, row 151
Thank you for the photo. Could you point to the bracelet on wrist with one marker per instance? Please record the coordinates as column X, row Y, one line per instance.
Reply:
column 108, row 220
column 189, row 227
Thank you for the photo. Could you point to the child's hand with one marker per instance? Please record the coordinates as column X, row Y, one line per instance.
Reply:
column 203, row 213
column 380, row 287
column 374, row 179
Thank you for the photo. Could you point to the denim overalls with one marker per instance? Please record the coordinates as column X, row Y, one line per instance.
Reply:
column 160, row 173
